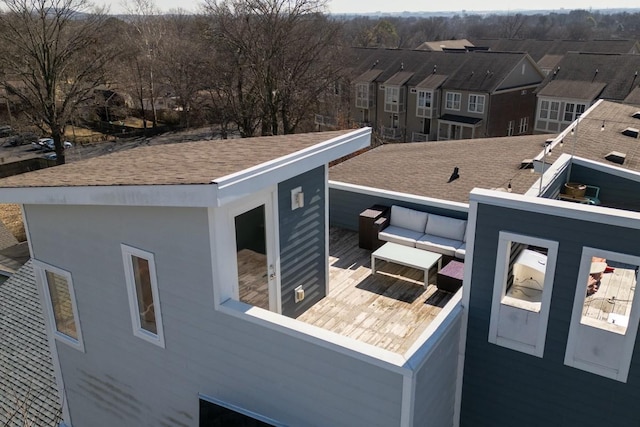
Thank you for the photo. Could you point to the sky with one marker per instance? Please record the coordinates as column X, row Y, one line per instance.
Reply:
column 368, row 6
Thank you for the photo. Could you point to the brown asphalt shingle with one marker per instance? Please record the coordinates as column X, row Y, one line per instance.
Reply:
column 424, row 168
column 198, row 162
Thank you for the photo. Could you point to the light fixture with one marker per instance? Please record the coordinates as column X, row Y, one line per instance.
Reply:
column 561, row 142
column 509, row 188
column 549, row 152
column 602, row 127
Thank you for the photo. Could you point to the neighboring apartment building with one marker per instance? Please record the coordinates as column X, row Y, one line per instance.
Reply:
column 423, row 96
column 579, row 80
column 547, row 53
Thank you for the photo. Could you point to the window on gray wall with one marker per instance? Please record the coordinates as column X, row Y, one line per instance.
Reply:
column 61, row 302
column 144, row 302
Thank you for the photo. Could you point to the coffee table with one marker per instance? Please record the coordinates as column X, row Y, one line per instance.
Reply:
column 408, row 256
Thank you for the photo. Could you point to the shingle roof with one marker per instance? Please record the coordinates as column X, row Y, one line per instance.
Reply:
column 593, row 143
column 432, row 81
column 197, row 162
column 448, row 44
column 478, row 71
column 633, row 97
column 548, row 62
column 7, row 238
column 399, row 78
column 484, row 71
column 424, row 168
column 537, row 49
column 572, row 89
column 618, row 71
column 26, row 370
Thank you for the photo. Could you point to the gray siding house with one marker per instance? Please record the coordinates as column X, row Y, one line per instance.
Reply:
column 183, row 285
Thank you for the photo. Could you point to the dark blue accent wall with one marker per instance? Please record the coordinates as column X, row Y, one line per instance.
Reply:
column 615, row 191
column 303, row 258
column 503, row 387
column 345, row 207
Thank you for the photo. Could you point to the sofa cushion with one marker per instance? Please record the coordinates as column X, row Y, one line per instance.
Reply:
column 400, row 235
column 461, row 251
column 438, row 244
column 409, row 218
column 446, row 227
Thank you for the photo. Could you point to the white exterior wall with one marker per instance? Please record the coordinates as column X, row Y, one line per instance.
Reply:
column 126, row 381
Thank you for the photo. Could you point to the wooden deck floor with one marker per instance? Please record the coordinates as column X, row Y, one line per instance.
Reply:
column 614, row 295
column 389, row 310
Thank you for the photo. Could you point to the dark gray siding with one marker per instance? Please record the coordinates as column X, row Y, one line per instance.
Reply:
column 503, row 387
column 345, row 207
column 302, row 241
column 435, row 381
column 615, row 191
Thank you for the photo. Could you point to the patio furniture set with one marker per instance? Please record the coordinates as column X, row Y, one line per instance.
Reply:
column 417, row 239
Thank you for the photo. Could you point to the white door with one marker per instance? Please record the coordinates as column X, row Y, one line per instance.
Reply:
column 253, row 223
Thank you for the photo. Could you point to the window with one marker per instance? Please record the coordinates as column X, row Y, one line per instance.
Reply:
column 510, row 127
column 549, row 110
column 604, row 321
column 525, row 266
column 392, row 95
column 453, row 101
column 142, row 286
column 214, row 412
column 524, row 124
column 572, row 111
column 362, row 95
column 394, row 99
column 476, row 103
column 423, row 106
column 61, row 304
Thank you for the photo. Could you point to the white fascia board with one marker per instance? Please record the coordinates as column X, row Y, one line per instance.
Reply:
column 202, row 195
column 599, row 214
column 251, row 180
column 402, row 197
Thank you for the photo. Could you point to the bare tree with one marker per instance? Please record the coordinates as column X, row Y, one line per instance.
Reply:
column 183, row 59
column 145, row 39
column 278, row 56
column 50, row 59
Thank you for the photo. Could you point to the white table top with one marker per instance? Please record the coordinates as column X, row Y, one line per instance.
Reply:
column 407, row 255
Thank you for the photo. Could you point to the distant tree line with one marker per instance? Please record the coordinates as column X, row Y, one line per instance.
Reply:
column 255, row 67
column 410, row 32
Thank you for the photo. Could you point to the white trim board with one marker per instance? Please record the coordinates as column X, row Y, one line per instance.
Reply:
column 521, row 328
column 558, row 208
column 401, row 197
column 217, row 193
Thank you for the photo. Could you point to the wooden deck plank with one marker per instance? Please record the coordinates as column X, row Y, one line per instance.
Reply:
column 389, row 310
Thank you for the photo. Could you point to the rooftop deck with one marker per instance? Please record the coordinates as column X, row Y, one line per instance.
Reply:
column 389, row 310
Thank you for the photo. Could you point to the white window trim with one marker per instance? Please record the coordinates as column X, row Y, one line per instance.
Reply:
column 476, row 103
column 454, row 95
column 41, row 268
column 499, row 290
column 626, row 342
column 138, row 331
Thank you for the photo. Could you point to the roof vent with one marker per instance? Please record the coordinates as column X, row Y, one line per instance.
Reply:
column 632, row 132
column 636, row 115
column 526, row 164
column 616, row 157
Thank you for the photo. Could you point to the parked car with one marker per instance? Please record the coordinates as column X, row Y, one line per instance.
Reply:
column 23, row 138
column 48, row 144
column 5, row 130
